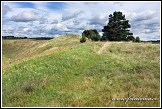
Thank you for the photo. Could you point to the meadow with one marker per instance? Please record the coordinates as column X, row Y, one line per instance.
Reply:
column 63, row 72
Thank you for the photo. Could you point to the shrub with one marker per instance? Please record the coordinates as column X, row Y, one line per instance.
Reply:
column 137, row 39
column 89, row 33
column 83, row 39
column 103, row 38
column 95, row 37
column 130, row 38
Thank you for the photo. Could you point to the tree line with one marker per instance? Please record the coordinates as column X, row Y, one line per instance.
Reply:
column 117, row 29
column 35, row 38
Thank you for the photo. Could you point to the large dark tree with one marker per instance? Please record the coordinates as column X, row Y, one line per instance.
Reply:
column 117, row 28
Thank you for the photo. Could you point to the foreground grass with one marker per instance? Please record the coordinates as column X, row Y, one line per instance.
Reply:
column 78, row 76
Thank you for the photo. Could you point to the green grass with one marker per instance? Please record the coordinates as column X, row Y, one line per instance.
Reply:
column 14, row 51
column 78, row 76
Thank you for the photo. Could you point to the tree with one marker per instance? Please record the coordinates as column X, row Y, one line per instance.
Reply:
column 117, row 28
column 137, row 39
column 83, row 39
column 90, row 33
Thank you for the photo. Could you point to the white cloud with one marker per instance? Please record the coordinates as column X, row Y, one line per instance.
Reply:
column 25, row 16
column 145, row 24
column 78, row 16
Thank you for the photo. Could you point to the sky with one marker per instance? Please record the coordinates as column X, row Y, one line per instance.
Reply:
column 53, row 19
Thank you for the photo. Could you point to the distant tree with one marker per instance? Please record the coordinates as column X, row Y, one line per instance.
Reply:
column 90, row 33
column 130, row 37
column 83, row 39
column 117, row 28
column 137, row 39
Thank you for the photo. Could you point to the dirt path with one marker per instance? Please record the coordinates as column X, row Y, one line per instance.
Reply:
column 103, row 48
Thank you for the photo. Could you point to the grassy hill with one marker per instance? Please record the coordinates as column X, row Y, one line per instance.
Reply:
column 18, row 50
column 65, row 72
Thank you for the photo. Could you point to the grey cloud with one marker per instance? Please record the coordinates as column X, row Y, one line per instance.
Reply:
column 151, row 36
column 55, row 22
column 35, row 30
column 5, row 9
column 39, row 29
column 25, row 16
column 30, row 23
column 145, row 24
column 5, row 20
column 148, row 31
column 157, row 37
column 71, row 16
column 98, row 28
column 76, row 28
column 91, row 3
column 53, row 32
column 118, row 3
column 73, row 27
column 99, row 21
column 8, row 30
column 70, row 30
column 43, row 20
column 20, row 28
column 143, row 17
column 76, row 21
column 153, row 23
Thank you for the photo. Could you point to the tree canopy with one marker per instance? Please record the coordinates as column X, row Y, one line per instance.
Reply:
column 117, row 28
column 90, row 33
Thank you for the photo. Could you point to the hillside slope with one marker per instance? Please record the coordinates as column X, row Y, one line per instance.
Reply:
column 24, row 49
column 79, row 76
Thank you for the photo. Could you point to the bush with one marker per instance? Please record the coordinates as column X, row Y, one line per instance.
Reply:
column 83, row 39
column 89, row 33
column 103, row 38
column 137, row 39
column 130, row 38
column 95, row 37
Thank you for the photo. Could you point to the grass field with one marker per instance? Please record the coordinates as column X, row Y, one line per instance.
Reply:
column 64, row 73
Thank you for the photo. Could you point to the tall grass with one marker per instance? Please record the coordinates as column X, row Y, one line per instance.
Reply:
column 78, row 76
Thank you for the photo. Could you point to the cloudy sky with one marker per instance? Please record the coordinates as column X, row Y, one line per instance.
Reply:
column 52, row 19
